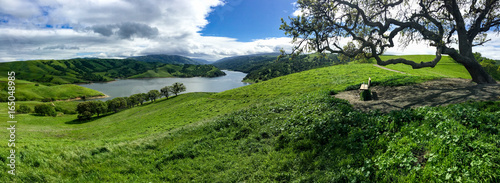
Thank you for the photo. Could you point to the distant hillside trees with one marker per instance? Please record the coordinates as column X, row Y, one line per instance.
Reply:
column 287, row 66
column 265, row 67
column 491, row 66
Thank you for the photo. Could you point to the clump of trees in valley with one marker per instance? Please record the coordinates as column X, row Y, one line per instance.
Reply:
column 86, row 110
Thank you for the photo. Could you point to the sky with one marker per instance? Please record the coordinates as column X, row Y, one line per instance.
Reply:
column 203, row 29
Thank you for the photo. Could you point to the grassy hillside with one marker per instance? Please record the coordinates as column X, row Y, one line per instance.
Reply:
column 284, row 129
column 447, row 67
column 51, row 72
column 167, row 59
column 26, row 90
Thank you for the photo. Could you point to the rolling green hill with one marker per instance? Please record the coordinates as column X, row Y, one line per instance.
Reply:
column 167, row 59
column 282, row 130
column 26, row 90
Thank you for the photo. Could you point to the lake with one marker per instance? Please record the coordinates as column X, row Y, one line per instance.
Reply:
column 127, row 87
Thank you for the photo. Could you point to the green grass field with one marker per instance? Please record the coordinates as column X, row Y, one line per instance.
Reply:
column 281, row 130
column 447, row 67
column 26, row 90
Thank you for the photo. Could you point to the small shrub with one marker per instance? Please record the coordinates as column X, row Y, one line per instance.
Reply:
column 45, row 110
column 365, row 95
column 23, row 109
column 37, row 84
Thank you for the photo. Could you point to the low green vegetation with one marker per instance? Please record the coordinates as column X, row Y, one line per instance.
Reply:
column 285, row 129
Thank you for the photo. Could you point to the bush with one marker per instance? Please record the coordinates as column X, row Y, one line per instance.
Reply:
column 23, row 109
column 365, row 95
column 45, row 110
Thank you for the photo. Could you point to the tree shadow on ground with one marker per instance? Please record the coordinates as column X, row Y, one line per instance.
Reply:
column 78, row 121
column 439, row 93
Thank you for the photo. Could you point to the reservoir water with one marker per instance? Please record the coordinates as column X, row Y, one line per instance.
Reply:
column 127, row 87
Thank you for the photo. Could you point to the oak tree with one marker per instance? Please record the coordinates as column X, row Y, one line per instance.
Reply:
column 376, row 24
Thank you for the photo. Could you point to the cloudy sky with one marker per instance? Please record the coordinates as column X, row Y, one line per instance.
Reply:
column 206, row 29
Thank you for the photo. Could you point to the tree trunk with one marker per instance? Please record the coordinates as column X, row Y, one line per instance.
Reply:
column 478, row 74
column 466, row 58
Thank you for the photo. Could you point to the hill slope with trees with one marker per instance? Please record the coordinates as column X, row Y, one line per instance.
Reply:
column 265, row 67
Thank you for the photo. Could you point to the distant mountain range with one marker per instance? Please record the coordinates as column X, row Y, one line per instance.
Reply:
column 169, row 59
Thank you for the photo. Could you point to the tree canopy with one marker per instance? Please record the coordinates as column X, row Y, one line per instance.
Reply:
column 178, row 88
column 375, row 25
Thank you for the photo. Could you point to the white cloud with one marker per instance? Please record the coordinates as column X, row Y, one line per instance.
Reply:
column 117, row 28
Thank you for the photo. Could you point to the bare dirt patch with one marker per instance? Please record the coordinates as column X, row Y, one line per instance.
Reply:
column 432, row 93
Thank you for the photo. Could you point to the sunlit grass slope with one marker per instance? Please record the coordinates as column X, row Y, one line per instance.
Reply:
column 282, row 130
column 26, row 90
column 447, row 67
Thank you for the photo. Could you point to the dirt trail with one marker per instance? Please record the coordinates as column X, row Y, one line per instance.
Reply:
column 382, row 67
column 432, row 93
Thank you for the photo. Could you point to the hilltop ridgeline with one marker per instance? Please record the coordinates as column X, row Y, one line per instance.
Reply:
column 169, row 59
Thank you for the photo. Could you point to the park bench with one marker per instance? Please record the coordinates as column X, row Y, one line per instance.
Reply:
column 366, row 86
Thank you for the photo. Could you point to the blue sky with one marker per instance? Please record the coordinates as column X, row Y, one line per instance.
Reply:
column 248, row 20
column 203, row 29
